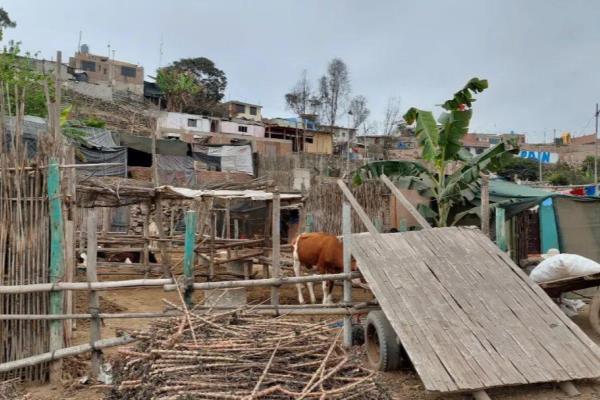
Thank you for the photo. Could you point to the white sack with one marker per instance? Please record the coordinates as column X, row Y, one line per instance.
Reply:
column 564, row 266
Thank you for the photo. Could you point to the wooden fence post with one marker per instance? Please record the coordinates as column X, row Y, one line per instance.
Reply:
column 276, row 246
column 404, row 201
column 347, row 232
column 191, row 219
column 71, row 243
column 57, row 264
column 501, row 228
column 485, row 204
column 93, row 296
column 213, row 229
column 145, row 208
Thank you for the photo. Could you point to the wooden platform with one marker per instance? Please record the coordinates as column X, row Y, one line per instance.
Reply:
column 468, row 317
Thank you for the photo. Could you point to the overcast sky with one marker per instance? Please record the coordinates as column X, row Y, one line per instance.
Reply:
column 541, row 57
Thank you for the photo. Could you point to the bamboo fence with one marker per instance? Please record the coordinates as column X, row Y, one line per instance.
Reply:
column 24, row 260
column 323, row 209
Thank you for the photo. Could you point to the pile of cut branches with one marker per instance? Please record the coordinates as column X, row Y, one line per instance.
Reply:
column 239, row 355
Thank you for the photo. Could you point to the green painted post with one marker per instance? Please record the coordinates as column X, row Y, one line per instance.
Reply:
column 501, row 228
column 191, row 219
column 308, row 226
column 57, row 257
column 403, row 227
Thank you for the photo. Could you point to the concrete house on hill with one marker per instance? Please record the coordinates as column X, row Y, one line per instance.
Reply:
column 238, row 109
column 99, row 69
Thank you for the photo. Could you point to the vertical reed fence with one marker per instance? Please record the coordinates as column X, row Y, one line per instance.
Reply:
column 24, row 259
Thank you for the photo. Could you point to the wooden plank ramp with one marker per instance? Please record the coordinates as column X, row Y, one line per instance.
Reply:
column 468, row 317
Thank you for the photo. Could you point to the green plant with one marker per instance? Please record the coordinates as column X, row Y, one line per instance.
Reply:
column 558, row 179
column 94, row 122
column 20, row 80
column 572, row 175
column 71, row 129
column 178, row 86
column 522, row 168
column 5, row 22
column 441, row 148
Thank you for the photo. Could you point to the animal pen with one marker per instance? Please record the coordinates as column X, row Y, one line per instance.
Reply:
column 37, row 311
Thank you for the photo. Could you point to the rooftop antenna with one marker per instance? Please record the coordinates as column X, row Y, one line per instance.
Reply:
column 108, row 49
column 79, row 43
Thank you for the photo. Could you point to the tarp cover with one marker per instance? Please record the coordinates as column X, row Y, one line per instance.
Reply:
column 176, row 170
column 163, row 146
column 32, row 127
column 99, row 147
column 231, row 194
column 230, row 158
column 578, row 221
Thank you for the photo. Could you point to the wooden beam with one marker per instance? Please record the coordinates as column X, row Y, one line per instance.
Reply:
column 191, row 219
column 284, row 280
column 276, row 243
column 405, row 202
column 93, row 296
column 57, row 264
column 347, row 232
column 569, row 388
column 61, row 353
column 501, row 228
column 481, row 395
column 485, row 204
column 359, row 210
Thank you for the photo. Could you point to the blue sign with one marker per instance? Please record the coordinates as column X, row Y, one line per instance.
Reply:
column 545, row 156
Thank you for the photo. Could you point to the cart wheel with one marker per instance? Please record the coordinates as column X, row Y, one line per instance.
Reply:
column 595, row 313
column 383, row 346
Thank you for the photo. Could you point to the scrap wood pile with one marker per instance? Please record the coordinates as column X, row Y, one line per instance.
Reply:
column 237, row 355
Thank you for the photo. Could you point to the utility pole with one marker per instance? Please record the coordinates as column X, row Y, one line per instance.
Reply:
column 596, row 154
column 540, row 157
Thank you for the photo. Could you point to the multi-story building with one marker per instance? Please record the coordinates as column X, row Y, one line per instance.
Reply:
column 477, row 143
column 238, row 109
column 122, row 76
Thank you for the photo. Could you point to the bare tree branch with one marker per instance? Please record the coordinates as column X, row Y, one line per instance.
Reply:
column 359, row 111
column 391, row 116
column 299, row 98
column 334, row 88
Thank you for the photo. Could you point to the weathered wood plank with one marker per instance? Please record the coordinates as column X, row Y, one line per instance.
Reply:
column 467, row 316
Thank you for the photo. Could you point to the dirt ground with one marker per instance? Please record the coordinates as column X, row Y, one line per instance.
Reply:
column 401, row 385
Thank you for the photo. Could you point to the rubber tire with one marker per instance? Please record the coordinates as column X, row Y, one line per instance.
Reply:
column 382, row 344
column 595, row 313
column 358, row 335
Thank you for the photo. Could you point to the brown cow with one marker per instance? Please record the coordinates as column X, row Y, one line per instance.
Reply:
column 324, row 251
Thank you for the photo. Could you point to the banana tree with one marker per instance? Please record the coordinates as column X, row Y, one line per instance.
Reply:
column 449, row 174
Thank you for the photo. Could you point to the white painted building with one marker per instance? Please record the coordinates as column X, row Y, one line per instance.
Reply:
column 174, row 123
column 241, row 127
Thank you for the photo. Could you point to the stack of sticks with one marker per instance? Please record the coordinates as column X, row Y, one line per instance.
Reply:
column 242, row 356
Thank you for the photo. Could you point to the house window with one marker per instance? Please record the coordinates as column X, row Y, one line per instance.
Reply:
column 242, row 128
column 240, row 108
column 88, row 66
column 253, row 110
column 479, row 151
column 192, row 123
column 128, row 71
column 308, row 140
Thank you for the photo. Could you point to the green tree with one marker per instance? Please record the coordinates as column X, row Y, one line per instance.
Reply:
column 210, row 84
column 19, row 75
column 522, row 168
column 561, row 172
column 179, row 88
column 5, row 22
column 441, row 148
